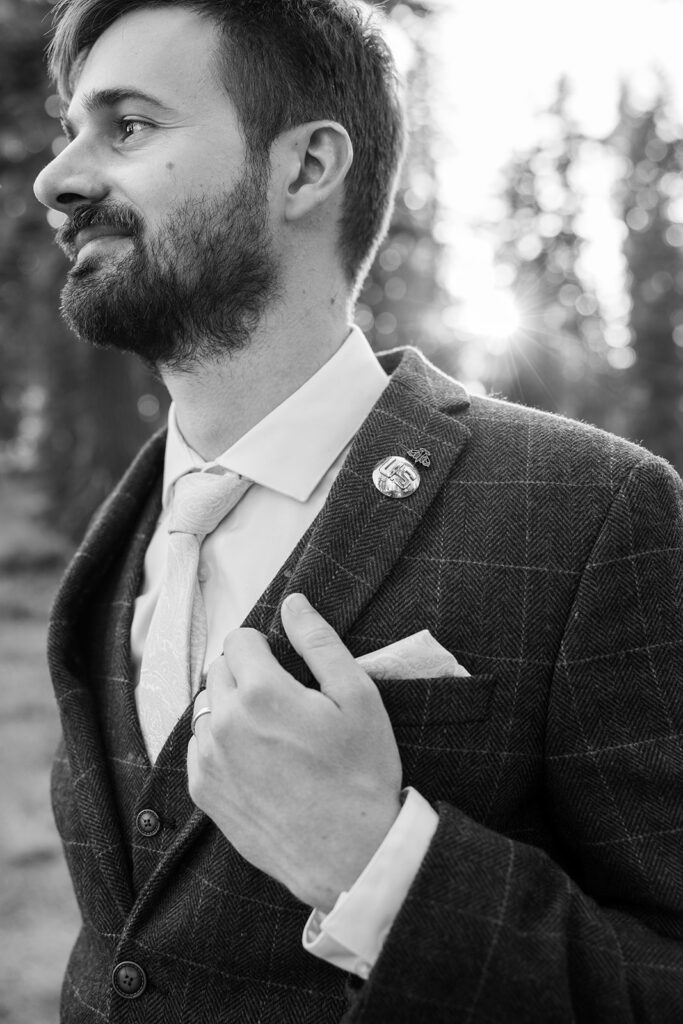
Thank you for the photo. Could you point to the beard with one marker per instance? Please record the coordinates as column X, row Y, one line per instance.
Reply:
column 191, row 294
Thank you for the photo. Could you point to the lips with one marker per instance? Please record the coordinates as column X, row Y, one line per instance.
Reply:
column 86, row 235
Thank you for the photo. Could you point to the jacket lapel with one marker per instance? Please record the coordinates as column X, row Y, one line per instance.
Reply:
column 109, row 535
column 360, row 533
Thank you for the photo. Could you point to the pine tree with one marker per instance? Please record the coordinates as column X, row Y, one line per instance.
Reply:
column 556, row 360
column 651, row 195
column 401, row 297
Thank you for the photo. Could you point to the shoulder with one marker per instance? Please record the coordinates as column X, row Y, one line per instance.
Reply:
column 546, row 446
column 509, row 441
column 567, row 477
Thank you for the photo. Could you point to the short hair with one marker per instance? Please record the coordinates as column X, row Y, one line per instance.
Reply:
column 285, row 63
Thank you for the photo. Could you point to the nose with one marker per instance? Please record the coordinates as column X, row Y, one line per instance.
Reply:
column 71, row 179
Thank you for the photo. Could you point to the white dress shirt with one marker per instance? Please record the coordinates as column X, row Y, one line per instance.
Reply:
column 293, row 456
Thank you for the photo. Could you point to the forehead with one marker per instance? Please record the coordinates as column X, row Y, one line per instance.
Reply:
column 167, row 52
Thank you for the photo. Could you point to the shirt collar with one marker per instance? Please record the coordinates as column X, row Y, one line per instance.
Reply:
column 292, row 448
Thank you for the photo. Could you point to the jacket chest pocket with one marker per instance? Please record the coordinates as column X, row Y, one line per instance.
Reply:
column 443, row 731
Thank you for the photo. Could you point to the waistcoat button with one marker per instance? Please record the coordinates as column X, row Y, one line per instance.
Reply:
column 129, row 980
column 148, row 823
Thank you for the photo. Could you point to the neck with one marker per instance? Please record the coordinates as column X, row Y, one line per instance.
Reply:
column 218, row 402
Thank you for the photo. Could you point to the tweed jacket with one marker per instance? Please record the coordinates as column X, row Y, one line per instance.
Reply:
column 548, row 557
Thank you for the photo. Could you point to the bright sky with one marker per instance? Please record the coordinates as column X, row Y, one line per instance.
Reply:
column 503, row 59
column 501, row 62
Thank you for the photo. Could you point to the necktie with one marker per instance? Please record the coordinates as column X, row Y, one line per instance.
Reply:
column 176, row 643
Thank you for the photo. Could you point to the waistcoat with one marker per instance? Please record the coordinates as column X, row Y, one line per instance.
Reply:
column 214, row 939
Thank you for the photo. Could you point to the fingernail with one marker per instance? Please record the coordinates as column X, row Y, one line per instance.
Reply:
column 296, row 603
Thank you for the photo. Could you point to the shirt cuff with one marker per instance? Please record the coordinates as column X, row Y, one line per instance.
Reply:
column 351, row 936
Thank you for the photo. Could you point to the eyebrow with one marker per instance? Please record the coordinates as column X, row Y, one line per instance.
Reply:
column 103, row 99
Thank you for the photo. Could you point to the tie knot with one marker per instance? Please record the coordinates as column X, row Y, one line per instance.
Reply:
column 202, row 500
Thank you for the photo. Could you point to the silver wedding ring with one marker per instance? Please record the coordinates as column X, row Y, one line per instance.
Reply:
column 197, row 715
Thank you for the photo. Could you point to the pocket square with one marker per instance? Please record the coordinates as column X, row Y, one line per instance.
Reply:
column 419, row 656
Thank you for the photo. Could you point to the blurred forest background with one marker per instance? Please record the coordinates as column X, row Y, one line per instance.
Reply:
column 548, row 318
column 536, row 253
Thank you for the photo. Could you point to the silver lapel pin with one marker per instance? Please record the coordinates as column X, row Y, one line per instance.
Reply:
column 395, row 477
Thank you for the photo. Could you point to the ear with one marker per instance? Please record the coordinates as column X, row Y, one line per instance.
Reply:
column 317, row 158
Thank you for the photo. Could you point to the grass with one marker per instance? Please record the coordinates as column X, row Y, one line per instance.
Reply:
column 38, row 916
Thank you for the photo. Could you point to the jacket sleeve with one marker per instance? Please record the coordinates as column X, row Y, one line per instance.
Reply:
column 493, row 929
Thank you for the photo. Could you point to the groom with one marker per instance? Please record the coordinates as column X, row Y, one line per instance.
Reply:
column 486, row 831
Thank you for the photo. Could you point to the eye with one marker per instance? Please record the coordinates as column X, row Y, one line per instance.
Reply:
column 130, row 126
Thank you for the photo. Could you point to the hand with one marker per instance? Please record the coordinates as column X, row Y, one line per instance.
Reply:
column 304, row 784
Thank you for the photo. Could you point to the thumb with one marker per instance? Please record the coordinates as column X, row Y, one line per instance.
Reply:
column 331, row 663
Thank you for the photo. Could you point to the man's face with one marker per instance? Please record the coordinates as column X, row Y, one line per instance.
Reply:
column 169, row 221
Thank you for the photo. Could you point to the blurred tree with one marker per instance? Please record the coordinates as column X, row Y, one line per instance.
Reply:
column 22, row 139
column 556, row 360
column 401, row 300
column 651, row 196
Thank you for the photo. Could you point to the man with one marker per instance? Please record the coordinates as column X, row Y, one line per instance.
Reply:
column 489, row 828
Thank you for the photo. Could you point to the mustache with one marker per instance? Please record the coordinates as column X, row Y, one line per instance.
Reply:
column 113, row 215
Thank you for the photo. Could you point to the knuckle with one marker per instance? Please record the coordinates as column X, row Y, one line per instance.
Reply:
column 241, row 639
column 257, row 697
column 319, row 637
column 213, row 674
column 232, row 642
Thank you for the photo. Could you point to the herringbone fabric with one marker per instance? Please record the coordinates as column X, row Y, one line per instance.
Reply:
column 548, row 557
column 176, row 643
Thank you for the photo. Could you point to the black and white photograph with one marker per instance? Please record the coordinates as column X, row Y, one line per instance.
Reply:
column 341, row 512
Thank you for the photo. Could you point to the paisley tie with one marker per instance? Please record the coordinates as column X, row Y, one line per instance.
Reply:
column 175, row 648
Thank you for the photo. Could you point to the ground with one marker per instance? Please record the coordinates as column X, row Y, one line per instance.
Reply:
column 38, row 916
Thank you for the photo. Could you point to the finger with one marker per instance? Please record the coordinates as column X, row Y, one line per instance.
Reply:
column 201, row 712
column 250, row 660
column 319, row 645
column 219, row 679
